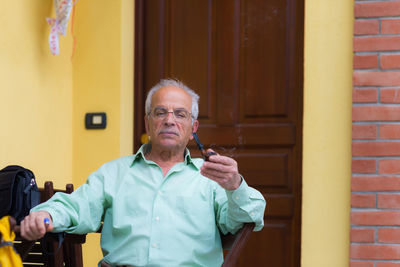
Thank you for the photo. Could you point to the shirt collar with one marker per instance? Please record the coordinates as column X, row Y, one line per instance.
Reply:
column 146, row 148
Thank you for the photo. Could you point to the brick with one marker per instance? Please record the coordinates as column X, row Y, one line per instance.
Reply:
column 366, row 27
column 389, row 131
column 365, row 61
column 388, row 264
column 375, row 183
column 364, row 235
column 376, row 78
column 375, row 149
column 388, row 201
column 376, row 113
column 376, row 43
column 383, row 217
column 389, row 235
column 377, row 9
column 364, row 131
column 363, row 166
column 363, row 200
column 390, row 61
column 378, row 252
column 361, row 263
column 389, row 166
column 390, row 95
column 390, row 26
column 365, row 95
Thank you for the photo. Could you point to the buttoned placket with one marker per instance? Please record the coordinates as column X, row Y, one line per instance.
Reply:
column 157, row 220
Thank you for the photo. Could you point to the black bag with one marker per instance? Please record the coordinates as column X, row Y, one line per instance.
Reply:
column 18, row 192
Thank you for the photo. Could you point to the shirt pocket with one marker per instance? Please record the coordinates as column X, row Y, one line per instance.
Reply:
column 197, row 216
column 194, row 206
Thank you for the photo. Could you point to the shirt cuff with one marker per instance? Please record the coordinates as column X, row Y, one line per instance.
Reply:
column 240, row 195
column 56, row 217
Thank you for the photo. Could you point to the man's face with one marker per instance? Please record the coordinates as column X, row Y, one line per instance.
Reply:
column 168, row 132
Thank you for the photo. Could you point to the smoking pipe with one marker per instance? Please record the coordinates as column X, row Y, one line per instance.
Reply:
column 204, row 153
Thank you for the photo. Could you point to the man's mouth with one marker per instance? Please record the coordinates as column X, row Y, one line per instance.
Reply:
column 168, row 133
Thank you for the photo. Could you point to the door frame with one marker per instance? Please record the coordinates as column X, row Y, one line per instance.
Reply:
column 139, row 97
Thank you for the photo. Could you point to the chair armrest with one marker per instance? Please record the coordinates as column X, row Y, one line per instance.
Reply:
column 71, row 238
column 27, row 245
column 236, row 243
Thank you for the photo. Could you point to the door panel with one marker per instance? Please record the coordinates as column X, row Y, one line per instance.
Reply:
column 264, row 252
column 262, row 58
column 188, row 58
column 244, row 59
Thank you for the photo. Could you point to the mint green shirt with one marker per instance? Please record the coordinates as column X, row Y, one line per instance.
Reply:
column 152, row 220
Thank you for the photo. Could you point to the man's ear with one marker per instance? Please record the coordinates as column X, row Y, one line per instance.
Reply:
column 195, row 126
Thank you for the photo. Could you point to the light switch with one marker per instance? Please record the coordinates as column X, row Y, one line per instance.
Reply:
column 96, row 120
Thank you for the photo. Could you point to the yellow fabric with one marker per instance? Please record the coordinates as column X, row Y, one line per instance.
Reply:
column 8, row 256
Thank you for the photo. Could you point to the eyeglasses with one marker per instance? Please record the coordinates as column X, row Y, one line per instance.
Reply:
column 180, row 114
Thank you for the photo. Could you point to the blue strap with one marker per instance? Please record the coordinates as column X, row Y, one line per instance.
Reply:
column 59, row 236
column 6, row 243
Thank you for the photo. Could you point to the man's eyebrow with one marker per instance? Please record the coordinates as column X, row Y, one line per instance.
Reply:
column 181, row 108
column 159, row 107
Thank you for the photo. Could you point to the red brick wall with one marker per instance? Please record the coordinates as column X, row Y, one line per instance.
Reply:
column 375, row 215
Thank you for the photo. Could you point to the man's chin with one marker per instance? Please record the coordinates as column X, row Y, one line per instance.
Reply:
column 171, row 144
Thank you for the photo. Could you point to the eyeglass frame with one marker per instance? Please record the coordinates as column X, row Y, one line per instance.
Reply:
column 151, row 113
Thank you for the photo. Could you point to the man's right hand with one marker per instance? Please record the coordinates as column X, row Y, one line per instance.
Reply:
column 34, row 227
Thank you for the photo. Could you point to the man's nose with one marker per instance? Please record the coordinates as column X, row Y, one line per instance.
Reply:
column 170, row 119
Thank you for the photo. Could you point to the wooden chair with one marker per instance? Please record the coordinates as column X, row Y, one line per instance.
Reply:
column 69, row 254
column 232, row 245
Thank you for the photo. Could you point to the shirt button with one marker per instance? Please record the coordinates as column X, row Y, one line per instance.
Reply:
column 157, row 218
column 154, row 245
column 252, row 213
column 236, row 197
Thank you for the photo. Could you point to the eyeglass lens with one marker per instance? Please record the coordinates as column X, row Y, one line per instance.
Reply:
column 179, row 114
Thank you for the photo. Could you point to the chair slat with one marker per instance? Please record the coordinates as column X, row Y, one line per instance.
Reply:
column 35, row 258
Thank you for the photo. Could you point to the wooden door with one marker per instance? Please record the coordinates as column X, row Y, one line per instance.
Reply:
column 244, row 58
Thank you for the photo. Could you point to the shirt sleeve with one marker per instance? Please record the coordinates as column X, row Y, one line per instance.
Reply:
column 235, row 207
column 81, row 211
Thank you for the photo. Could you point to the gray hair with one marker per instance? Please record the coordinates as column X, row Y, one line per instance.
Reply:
column 175, row 83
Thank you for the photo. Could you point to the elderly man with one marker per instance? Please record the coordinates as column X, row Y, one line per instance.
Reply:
column 160, row 207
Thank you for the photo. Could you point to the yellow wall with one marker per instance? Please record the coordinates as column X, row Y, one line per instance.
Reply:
column 102, row 82
column 327, row 133
column 44, row 97
column 35, row 93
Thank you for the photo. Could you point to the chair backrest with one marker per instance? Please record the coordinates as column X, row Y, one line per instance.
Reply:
column 69, row 254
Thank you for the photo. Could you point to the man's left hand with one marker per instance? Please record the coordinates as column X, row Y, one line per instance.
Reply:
column 222, row 170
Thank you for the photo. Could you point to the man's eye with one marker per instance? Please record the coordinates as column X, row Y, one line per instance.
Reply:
column 180, row 114
column 160, row 113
